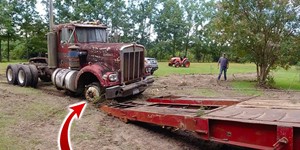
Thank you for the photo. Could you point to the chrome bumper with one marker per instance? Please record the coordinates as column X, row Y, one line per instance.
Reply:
column 130, row 89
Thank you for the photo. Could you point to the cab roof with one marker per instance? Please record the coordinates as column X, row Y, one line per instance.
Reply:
column 95, row 24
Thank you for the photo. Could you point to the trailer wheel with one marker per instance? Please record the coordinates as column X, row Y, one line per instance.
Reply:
column 93, row 92
column 35, row 75
column 11, row 74
column 24, row 76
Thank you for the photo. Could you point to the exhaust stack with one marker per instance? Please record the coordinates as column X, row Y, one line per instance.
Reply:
column 51, row 40
column 50, row 15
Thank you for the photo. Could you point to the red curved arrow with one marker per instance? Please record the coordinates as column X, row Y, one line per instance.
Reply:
column 63, row 141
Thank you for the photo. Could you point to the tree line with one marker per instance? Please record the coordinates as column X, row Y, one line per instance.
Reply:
column 265, row 32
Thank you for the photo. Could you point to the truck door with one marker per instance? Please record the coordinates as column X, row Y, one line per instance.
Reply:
column 66, row 37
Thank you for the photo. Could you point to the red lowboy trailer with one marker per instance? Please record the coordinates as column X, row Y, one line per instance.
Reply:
column 258, row 124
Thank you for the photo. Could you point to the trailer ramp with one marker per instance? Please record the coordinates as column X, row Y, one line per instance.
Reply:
column 258, row 124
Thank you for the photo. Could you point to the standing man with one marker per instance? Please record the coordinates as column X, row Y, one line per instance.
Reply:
column 224, row 64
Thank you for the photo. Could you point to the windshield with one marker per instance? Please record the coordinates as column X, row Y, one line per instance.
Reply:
column 87, row 35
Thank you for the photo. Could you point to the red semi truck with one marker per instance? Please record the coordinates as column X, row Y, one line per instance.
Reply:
column 80, row 60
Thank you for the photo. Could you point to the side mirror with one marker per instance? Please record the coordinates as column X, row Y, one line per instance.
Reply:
column 64, row 35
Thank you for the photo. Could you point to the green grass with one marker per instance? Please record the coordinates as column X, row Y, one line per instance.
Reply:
column 202, row 68
column 37, row 111
column 8, row 141
column 284, row 79
column 3, row 65
column 203, row 92
column 246, row 87
column 287, row 79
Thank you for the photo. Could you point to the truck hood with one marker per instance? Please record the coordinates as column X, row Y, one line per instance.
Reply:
column 106, row 46
column 108, row 54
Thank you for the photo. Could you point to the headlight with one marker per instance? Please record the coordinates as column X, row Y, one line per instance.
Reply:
column 113, row 77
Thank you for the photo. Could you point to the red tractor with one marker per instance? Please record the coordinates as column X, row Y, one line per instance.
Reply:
column 179, row 62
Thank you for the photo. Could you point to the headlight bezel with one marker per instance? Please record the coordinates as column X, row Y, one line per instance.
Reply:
column 113, row 77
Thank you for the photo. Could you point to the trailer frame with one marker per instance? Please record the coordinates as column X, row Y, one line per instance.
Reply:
column 228, row 121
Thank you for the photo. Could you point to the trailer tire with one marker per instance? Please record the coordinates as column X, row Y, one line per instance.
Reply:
column 94, row 93
column 24, row 76
column 11, row 74
column 35, row 75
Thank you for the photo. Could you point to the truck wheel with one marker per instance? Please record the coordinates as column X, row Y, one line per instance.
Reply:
column 35, row 75
column 93, row 92
column 11, row 74
column 24, row 76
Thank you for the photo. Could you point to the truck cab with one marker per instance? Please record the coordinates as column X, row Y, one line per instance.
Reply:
column 85, row 62
column 82, row 61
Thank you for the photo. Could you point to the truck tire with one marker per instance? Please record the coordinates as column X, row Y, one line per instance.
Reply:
column 11, row 74
column 24, row 76
column 94, row 93
column 35, row 75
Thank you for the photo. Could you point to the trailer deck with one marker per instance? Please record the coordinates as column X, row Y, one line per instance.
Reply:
column 259, row 124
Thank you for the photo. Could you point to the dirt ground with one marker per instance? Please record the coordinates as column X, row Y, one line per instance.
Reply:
column 31, row 118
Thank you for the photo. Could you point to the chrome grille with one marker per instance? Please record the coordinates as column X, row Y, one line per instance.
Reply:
column 132, row 62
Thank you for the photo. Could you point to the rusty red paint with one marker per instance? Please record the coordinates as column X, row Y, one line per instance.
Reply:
column 284, row 138
column 235, row 124
column 296, row 136
column 243, row 134
column 202, row 128
column 106, row 55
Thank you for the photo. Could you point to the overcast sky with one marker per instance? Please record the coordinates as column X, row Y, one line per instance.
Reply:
column 40, row 8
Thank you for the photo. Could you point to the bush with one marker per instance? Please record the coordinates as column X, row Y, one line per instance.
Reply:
column 270, row 81
column 298, row 66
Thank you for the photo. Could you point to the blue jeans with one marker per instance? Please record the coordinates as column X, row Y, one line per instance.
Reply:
column 223, row 68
